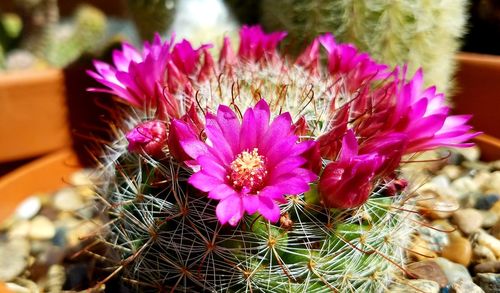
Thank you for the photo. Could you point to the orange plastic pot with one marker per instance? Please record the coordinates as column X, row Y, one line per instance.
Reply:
column 33, row 114
column 478, row 93
column 43, row 175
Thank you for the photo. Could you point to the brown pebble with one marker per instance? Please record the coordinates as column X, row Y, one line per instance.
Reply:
column 495, row 230
column 459, row 250
column 488, row 267
column 465, row 286
column 420, row 250
column 496, row 208
column 427, row 270
column 434, row 206
column 481, row 254
column 468, row 220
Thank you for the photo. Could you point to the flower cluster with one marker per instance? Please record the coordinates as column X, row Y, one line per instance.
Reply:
column 251, row 133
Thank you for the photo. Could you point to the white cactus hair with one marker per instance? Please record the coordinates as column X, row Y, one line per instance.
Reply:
column 162, row 236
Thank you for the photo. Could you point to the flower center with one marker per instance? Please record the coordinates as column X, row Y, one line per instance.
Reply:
column 248, row 170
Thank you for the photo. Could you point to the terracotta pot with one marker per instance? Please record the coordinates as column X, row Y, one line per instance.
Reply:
column 43, row 175
column 33, row 114
column 478, row 93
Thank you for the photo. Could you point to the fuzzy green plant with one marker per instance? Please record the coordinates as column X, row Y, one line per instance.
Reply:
column 165, row 237
column 86, row 33
column 261, row 174
column 152, row 16
column 39, row 18
column 59, row 43
column 422, row 33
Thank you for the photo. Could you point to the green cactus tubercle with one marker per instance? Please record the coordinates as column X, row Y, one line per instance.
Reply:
column 169, row 238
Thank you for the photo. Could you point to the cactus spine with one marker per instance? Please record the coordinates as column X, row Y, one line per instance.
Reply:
column 422, row 33
column 164, row 234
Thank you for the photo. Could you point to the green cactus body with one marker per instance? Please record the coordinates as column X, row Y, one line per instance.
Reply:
column 169, row 237
column 152, row 16
column 40, row 18
column 422, row 33
column 88, row 28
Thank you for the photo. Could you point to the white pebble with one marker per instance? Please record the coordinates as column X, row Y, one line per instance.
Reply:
column 29, row 208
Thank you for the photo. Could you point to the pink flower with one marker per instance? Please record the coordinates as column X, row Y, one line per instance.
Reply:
column 345, row 60
column 422, row 115
column 151, row 78
column 309, row 59
column 391, row 146
column 148, row 137
column 348, row 182
column 135, row 77
column 250, row 165
column 255, row 44
column 189, row 130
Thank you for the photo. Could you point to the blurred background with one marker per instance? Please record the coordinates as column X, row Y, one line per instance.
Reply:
column 46, row 46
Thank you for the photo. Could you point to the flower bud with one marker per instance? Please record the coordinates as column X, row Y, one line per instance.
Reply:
column 148, row 137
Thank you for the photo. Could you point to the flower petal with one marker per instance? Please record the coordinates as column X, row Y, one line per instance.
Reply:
column 269, row 209
column 189, row 142
column 222, row 191
column 204, row 182
column 230, row 126
column 230, row 210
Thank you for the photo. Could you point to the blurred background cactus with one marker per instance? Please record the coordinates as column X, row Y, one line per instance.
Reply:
column 36, row 36
column 39, row 18
column 84, row 33
column 152, row 16
column 422, row 33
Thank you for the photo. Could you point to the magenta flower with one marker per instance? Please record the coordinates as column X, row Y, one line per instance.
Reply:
column 255, row 44
column 354, row 112
column 348, row 182
column 135, row 77
column 423, row 116
column 151, row 78
column 345, row 60
column 247, row 166
column 148, row 137
column 391, row 146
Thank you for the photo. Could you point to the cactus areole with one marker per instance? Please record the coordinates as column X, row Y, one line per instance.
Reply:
column 258, row 173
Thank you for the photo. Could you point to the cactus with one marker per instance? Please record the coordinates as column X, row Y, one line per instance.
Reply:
column 346, row 231
column 151, row 16
column 86, row 33
column 168, row 238
column 55, row 43
column 40, row 18
column 422, row 33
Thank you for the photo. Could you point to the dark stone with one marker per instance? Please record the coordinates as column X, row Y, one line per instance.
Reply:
column 456, row 159
column 77, row 277
column 486, row 202
column 489, row 282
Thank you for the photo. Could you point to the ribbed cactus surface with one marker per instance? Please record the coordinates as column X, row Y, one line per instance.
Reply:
column 422, row 33
column 260, row 173
column 166, row 236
